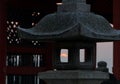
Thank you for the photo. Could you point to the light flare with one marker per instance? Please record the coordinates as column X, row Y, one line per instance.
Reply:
column 64, row 55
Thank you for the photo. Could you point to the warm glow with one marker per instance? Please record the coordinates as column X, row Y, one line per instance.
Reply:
column 64, row 55
column 59, row 3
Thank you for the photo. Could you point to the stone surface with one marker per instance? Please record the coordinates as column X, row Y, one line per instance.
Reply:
column 118, row 82
column 74, row 62
column 72, row 26
column 74, row 7
column 73, row 77
column 72, row 23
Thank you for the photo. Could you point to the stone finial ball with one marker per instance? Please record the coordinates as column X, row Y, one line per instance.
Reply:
column 102, row 64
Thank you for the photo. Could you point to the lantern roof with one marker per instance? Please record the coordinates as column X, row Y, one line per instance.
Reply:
column 73, row 21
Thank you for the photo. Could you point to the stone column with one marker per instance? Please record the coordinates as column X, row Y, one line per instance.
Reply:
column 73, row 57
column 2, row 41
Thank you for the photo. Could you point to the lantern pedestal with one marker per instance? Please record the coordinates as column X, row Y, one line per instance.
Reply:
column 73, row 77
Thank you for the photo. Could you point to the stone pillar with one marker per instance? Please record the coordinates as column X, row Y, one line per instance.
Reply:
column 116, row 23
column 2, row 40
column 73, row 56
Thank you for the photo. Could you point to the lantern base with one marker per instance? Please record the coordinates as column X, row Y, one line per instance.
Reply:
column 73, row 77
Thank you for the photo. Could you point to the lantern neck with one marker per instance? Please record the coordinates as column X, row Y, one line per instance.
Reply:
column 73, row 6
column 73, row 1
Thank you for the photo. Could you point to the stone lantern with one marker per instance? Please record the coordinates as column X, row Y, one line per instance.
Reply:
column 73, row 27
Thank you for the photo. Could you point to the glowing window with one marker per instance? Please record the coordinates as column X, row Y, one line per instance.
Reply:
column 64, row 55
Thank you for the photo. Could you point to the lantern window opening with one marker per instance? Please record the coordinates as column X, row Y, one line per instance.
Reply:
column 82, row 55
column 64, row 55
